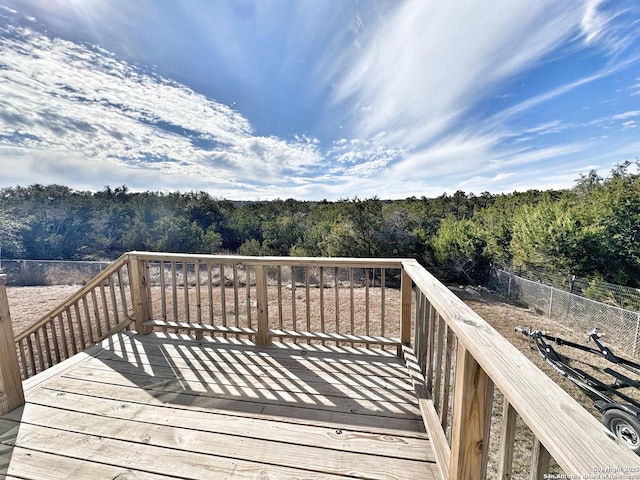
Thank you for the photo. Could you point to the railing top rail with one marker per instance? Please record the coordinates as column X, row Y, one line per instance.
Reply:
column 118, row 263
column 574, row 438
column 274, row 261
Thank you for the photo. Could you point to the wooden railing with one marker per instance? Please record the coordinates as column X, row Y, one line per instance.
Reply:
column 270, row 298
column 457, row 361
column 98, row 310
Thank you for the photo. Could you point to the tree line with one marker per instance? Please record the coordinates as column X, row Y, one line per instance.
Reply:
column 591, row 230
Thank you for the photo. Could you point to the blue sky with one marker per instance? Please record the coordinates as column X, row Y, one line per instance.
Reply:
column 325, row 99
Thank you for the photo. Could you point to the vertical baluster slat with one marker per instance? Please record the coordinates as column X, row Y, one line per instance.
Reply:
column 307, row 280
column 47, row 344
column 54, row 340
column 38, row 352
column 247, row 292
column 185, row 291
column 366, row 304
column 114, row 302
column 81, row 336
column 96, row 312
column 294, row 313
column 199, row 333
column 507, row 440
column 72, row 333
column 23, row 361
column 540, row 460
column 446, row 388
column 63, row 337
column 198, row 293
column 163, row 295
column 417, row 330
column 438, row 363
column 210, row 291
column 337, row 298
column 279, row 281
column 105, row 307
column 322, row 329
column 382, row 302
column 223, row 297
column 32, row 358
column 433, row 317
column 87, row 318
column 174, row 290
column 236, row 301
column 352, row 307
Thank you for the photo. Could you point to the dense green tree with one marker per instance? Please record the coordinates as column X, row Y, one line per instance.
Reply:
column 592, row 230
column 459, row 247
column 11, row 232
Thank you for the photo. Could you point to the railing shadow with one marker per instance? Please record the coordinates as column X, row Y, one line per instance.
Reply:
column 305, row 383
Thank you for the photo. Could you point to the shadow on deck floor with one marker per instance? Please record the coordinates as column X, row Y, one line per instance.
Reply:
column 167, row 406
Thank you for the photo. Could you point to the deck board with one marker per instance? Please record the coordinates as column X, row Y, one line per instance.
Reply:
column 161, row 406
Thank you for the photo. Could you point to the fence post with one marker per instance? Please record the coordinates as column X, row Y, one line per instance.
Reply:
column 635, row 338
column 405, row 327
column 139, row 294
column 263, row 338
column 550, row 301
column 11, row 391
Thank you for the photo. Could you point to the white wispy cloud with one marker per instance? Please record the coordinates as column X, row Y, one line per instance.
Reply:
column 430, row 64
column 431, row 61
column 59, row 96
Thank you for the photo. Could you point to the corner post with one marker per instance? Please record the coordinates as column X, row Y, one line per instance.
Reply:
column 139, row 293
column 11, row 391
column 470, row 425
column 262, row 339
column 406, row 285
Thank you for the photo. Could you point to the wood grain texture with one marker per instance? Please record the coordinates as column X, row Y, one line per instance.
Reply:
column 275, row 261
column 263, row 338
column 166, row 406
column 10, row 381
column 470, row 422
column 139, row 295
column 507, row 438
column 573, row 437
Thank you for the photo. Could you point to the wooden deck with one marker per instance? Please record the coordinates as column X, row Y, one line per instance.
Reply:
column 162, row 406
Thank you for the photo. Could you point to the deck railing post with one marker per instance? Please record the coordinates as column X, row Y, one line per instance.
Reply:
column 470, row 420
column 139, row 294
column 263, row 339
column 11, row 391
column 406, row 285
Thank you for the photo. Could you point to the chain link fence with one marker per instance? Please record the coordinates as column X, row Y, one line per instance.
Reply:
column 50, row 272
column 609, row 293
column 621, row 326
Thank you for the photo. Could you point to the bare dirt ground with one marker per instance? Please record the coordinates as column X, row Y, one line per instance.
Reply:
column 29, row 304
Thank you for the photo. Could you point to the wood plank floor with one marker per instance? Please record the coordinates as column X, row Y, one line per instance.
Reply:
column 164, row 406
